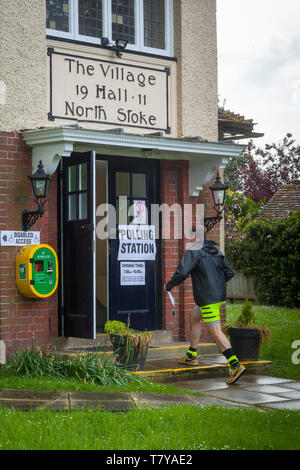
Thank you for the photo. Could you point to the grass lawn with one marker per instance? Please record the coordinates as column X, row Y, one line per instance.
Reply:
column 175, row 428
column 284, row 324
column 72, row 384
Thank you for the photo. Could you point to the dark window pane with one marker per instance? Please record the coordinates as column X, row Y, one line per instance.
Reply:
column 139, row 185
column 57, row 15
column 72, row 182
column 122, row 184
column 83, row 177
column 154, row 24
column 82, row 206
column 123, row 20
column 90, row 18
column 72, row 202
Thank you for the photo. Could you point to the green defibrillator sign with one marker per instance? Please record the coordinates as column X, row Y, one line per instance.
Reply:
column 22, row 271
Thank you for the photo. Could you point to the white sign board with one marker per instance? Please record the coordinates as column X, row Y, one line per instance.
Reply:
column 107, row 91
column 15, row 238
column 140, row 212
column 132, row 274
column 136, row 242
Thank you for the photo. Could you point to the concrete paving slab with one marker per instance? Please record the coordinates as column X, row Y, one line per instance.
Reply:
column 242, row 395
column 25, row 405
column 202, row 385
column 291, row 395
column 158, row 397
column 105, row 401
column 29, row 394
column 272, row 389
column 291, row 385
column 292, row 405
column 263, row 380
column 99, row 396
column 106, row 405
column 57, row 405
column 116, row 405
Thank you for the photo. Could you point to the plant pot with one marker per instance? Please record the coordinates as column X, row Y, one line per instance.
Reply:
column 245, row 343
column 128, row 355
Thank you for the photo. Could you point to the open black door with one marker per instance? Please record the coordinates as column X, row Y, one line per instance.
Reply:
column 133, row 282
column 78, row 246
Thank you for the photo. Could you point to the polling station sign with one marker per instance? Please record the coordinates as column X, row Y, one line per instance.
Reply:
column 136, row 242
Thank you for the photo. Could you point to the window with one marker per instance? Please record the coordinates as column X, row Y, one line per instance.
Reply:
column 145, row 24
column 77, row 192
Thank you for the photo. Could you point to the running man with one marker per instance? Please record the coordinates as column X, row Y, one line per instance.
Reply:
column 209, row 270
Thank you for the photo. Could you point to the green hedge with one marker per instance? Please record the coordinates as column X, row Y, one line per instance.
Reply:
column 271, row 251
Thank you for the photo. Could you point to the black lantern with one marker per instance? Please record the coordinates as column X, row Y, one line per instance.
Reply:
column 218, row 190
column 40, row 184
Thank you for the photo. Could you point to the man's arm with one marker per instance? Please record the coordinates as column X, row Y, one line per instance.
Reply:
column 228, row 272
column 183, row 270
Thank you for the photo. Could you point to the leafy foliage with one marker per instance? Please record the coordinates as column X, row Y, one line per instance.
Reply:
column 91, row 368
column 240, row 210
column 259, row 172
column 271, row 251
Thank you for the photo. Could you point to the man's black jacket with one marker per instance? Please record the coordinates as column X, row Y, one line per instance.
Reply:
column 209, row 270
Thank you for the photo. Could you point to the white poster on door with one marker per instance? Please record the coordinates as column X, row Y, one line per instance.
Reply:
column 136, row 243
column 139, row 212
column 132, row 274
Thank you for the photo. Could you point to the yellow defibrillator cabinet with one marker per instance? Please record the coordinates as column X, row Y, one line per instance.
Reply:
column 36, row 271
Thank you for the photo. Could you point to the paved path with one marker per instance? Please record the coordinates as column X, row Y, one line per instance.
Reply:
column 252, row 390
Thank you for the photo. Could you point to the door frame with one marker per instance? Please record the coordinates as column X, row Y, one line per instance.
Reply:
column 106, row 161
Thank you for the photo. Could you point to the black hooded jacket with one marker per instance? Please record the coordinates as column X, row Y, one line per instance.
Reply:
column 209, row 270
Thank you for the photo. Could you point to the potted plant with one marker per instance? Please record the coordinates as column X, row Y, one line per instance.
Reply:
column 246, row 338
column 131, row 346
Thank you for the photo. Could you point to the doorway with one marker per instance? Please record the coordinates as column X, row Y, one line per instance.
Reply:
column 96, row 284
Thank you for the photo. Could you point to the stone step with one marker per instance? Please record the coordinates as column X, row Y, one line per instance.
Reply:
column 63, row 344
column 212, row 365
column 157, row 352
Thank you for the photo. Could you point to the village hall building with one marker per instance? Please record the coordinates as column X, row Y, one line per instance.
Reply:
column 114, row 100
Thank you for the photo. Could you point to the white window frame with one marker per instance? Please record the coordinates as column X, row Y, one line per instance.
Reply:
column 107, row 28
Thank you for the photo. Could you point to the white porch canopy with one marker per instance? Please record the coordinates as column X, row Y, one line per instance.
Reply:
column 51, row 144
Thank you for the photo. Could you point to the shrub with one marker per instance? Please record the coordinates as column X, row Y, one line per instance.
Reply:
column 93, row 368
column 271, row 251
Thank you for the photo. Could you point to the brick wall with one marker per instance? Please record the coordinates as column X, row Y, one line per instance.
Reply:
column 21, row 318
column 175, row 189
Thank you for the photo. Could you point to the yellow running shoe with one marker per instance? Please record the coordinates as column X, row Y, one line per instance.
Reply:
column 235, row 374
column 186, row 360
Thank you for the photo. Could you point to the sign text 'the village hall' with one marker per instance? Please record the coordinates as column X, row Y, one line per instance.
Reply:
column 86, row 89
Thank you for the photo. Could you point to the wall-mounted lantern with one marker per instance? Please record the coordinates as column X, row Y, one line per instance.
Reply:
column 119, row 46
column 218, row 190
column 40, row 184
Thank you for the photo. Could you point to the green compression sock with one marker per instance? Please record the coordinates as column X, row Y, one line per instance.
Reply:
column 191, row 352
